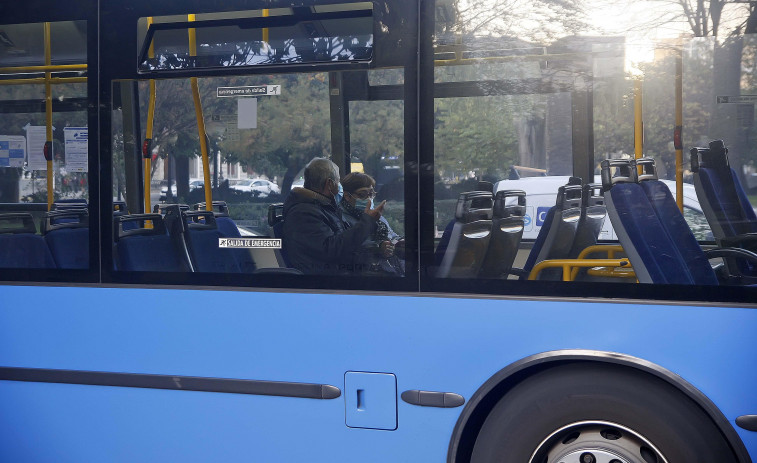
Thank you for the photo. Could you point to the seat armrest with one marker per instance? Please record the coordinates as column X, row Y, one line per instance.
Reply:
column 733, row 253
column 747, row 239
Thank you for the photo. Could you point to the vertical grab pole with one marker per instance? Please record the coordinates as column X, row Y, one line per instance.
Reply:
column 265, row 29
column 638, row 124
column 678, row 132
column 147, row 145
column 200, row 120
column 48, row 149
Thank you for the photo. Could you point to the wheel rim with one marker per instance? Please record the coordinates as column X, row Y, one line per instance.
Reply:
column 596, row 442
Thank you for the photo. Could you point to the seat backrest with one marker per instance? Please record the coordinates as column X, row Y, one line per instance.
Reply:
column 645, row 240
column 146, row 249
column 202, row 235
column 20, row 246
column 675, row 225
column 558, row 231
column 508, row 216
column 468, row 238
column 66, row 233
column 723, row 199
column 593, row 214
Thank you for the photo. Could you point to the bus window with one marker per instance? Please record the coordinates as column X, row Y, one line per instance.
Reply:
column 528, row 108
column 257, row 150
column 44, row 147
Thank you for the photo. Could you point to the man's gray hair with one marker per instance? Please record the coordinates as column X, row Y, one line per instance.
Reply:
column 318, row 171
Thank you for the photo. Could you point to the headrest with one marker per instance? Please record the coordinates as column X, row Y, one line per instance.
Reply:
column 593, row 194
column 220, row 208
column 509, row 203
column 647, row 170
column 17, row 222
column 575, row 181
column 714, row 157
column 474, row 205
column 56, row 220
column 69, row 204
column 200, row 220
column 569, row 196
column 483, row 185
column 158, row 225
column 275, row 213
column 163, row 208
column 616, row 171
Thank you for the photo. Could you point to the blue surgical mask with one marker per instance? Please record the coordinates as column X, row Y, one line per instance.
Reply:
column 361, row 203
column 339, row 194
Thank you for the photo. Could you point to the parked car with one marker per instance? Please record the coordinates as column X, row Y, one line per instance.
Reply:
column 196, row 185
column 257, row 186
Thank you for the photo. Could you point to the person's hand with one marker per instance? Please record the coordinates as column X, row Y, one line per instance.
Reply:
column 386, row 248
column 375, row 212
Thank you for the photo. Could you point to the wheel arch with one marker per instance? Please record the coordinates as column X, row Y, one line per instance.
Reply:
column 483, row 400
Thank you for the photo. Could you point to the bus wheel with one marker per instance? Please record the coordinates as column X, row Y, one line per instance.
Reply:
column 592, row 413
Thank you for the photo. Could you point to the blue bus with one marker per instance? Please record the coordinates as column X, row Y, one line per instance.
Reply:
column 150, row 308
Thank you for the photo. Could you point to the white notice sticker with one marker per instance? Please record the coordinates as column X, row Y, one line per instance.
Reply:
column 247, row 113
column 35, row 146
column 76, row 148
column 247, row 243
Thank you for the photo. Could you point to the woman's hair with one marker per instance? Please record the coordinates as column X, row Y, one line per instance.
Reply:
column 357, row 180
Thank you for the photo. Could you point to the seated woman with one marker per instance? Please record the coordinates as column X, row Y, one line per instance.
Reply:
column 378, row 255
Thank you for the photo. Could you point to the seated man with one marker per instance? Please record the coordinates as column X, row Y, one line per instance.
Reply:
column 315, row 237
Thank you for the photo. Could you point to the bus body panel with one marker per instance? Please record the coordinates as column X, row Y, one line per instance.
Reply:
column 429, row 343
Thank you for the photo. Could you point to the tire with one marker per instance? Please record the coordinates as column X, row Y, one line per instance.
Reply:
column 614, row 413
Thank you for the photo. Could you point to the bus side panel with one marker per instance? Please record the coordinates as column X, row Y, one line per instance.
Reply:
column 434, row 344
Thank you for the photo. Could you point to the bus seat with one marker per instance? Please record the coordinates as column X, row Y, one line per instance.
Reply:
column 647, row 244
column 468, row 238
column 675, row 225
column 228, row 229
column 508, row 214
column 725, row 204
column 202, row 239
column 593, row 214
column 558, row 231
column 20, row 246
column 66, row 233
column 146, row 249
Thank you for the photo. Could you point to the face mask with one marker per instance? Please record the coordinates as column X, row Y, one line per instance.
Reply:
column 339, row 194
column 361, row 203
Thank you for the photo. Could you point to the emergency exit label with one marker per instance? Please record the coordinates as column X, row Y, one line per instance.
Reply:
column 250, row 243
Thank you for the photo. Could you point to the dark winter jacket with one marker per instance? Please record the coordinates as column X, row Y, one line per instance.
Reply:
column 316, row 240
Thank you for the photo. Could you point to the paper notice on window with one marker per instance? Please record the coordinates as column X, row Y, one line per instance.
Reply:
column 35, row 146
column 247, row 113
column 76, row 148
column 12, row 150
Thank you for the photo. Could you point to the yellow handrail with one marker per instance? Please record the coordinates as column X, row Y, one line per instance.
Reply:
column 610, row 249
column 567, row 266
column 44, row 80
column 147, row 146
column 200, row 120
column 52, row 67
column 48, row 149
column 678, row 133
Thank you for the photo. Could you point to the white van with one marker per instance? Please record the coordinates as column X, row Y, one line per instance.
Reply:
column 541, row 194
